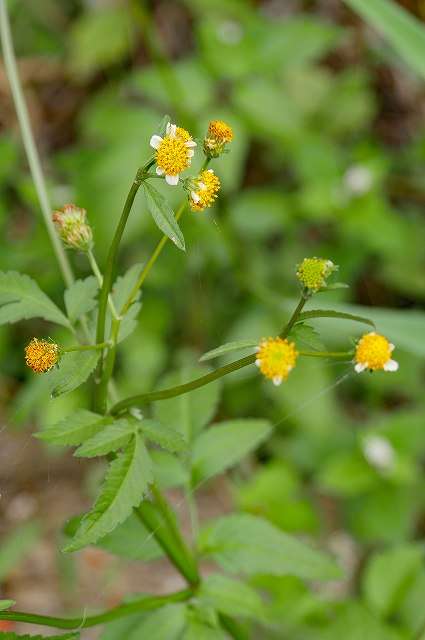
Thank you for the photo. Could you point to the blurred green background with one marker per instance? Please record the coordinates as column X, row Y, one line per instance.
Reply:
column 327, row 160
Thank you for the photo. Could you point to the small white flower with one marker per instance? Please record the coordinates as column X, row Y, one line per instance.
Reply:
column 379, row 452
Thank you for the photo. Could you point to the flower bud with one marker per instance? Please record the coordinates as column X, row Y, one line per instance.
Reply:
column 312, row 273
column 218, row 135
column 202, row 189
column 73, row 229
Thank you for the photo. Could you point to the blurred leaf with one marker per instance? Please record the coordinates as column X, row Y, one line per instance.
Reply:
column 230, row 596
column 111, row 438
column 18, row 545
column 21, row 298
column 98, row 39
column 355, row 622
column 6, row 604
column 249, row 545
column 224, row 445
column 228, row 348
column 307, row 335
column 329, row 313
column 189, row 412
column 347, row 474
column 388, row 576
column 124, row 487
column 74, row 369
column 168, row 469
column 167, row 438
column 121, row 290
column 404, row 32
column 167, row 622
column 163, row 215
column 80, row 297
column 75, row 428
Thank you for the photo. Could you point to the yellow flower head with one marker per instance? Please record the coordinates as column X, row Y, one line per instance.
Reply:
column 72, row 227
column 203, row 190
column 312, row 272
column 174, row 152
column 374, row 352
column 41, row 356
column 219, row 133
column 276, row 358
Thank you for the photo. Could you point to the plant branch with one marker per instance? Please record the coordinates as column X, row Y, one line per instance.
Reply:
column 135, row 606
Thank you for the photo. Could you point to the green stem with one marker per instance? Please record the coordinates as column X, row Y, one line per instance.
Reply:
column 29, row 144
column 89, row 347
column 100, row 400
column 153, row 396
column 151, row 517
column 288, row 326
column 99, row 278
column 169, row 516
column 233, row 628
column 156, row 253
column 150, row 264
column 122, row 611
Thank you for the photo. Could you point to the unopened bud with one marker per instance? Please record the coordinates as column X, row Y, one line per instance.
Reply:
column 73, row 229
column 312, row 273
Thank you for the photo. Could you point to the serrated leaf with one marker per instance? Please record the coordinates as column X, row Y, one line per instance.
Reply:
column 307, row 335
column 6, row 604
column 21, row 298
column 74, row 369
column 74, row 429
column 228, row 348
column 10, row 635
column 224, row 445
column 124, row 487
column 249, row 545
column 163, row 215
column 80, row 298
column 111, row 438
column 329, row 313
column 189, row 412
column 130, row 539
column 168, row 439
column 230, row 596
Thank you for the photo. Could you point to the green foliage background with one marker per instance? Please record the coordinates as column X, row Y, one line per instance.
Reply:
column 327, row 160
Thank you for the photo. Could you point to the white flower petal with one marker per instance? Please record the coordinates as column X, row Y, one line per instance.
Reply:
column 190, row 143
column 391, row 365
column 258, row 362
column 202, row 186
column 191, row 153
column 194, row 197
column 171, row 130
column 256, row 349
column 159, row 171
column 392, row 347
column 155, row 141
column 173, row 180
column 277, row 381
column 361, row 366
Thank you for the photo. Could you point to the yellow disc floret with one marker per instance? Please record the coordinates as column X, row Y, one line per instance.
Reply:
column 203, row 190
column 276, row 358
column 374, row 352
column 174, row 152
column 220, row 130
column 218, row 135
column 41, row 356
column 312, row 272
